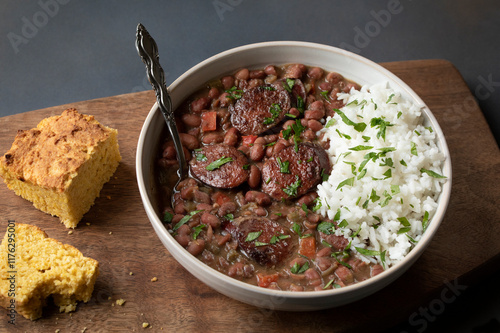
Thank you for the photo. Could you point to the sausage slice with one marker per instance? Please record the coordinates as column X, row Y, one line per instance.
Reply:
column 220, row 166
column 260, row 109
column 261, row 239
column 289, row 174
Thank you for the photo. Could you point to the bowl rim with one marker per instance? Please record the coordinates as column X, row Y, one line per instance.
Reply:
column 408, row 260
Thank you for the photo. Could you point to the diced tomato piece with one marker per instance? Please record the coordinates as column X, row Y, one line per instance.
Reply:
column 248, row 140
column 209, row 121
column 266, row 280
column 307, row 247
column 220, row 198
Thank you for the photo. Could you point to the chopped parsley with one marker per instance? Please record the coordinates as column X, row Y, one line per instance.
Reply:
column 414, row 148
column 297, row 269
column 382, row 125
column 288, row 84
column 360, row 127
column 361, row 147
column 218, row 163
column 234, row 93
column 348, row 181
column 253, row 236
column 284, row 166
column 275, row 110
column 167, row 217
column 327, row 228
column 432, row 173
column 197, row 230
column 292, row 189
column 186, row 219
column 330, row 122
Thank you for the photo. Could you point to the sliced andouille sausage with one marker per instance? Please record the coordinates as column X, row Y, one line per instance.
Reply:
column 289, row 173
column 220, row 166
column 260, row 109
column 261, row 239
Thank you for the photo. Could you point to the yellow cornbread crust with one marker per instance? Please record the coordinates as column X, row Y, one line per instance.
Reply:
column 62, row 164
column 43, row 267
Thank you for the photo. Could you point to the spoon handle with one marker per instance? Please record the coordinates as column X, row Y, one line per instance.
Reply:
column 148, row 50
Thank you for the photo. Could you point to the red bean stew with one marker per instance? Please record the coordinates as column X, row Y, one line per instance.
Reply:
column 249, row 209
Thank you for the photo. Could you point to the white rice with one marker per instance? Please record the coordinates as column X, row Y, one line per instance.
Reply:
column 418, row 191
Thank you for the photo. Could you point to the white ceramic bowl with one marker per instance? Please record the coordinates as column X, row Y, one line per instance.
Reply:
column 351, row 66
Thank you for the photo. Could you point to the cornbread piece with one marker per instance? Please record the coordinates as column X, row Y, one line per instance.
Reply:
column 44, row 267
column 62, row 164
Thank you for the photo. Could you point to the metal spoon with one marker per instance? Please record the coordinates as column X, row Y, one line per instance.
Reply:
column 148, row 50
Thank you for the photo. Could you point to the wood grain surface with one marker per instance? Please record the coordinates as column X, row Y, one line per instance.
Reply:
column 118, row 234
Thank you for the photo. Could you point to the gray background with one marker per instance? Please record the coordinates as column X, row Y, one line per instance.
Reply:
column 54, row 52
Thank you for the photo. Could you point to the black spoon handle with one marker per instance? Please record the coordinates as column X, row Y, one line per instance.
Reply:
column 148, row 50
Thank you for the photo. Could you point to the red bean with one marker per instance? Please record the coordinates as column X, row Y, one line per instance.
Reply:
column 279, row 146
column 213, row 93
column 377, row 269
column 288, row 123
column 236, row 269
column 315, row 73
column 325, row 86
column 224, row 100
column 196, row 246
column 201, row 197
column 204, row 206
column 261, row 198
column 294, row 287
column 210, row 219
column 314, row 114
column 257, row 74
column 257, row 152
column 260, row 140
column 227, row 82
column 259, row 211
column 314, row 125
column 344, row 274
column 334, row 77
column 294, row 111
column 254, row 177
column 191, row 119
column 309, row 135
column 226, row 208
column 176, row 218
column 169, row 153
column 212, row 138
column 312, row 274
column 252, row 83
column 270, row 70
column 244, row 149
column 189, row 141
column 317, row 105
column 180, row 208
column 199, row 104
column 242, row 74
column 231, row 137
column 187, row 193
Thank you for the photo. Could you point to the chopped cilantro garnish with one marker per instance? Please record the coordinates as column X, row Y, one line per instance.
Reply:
column 425, row 220
column 374, row 197
column 390, row 98
column 288, row 84
column 361, row 147
column 403, row 162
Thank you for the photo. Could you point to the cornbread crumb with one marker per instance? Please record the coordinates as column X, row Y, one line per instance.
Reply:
column 44, row 267
column 111, row 232
column 70, row 232
column 145, row 325
column 130, row 273
column 62, row 164
column 58, row 330
column 154, row 279
column 84, row 329
column 120, row 301
column 88, row 223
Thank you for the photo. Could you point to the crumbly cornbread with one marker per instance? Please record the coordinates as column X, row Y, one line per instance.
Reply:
column 44, row 267
column 62, row 164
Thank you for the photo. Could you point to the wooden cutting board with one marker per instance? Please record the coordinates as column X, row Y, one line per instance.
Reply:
column 118, row 234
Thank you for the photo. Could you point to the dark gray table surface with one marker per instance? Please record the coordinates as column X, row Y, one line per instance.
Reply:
column 55, row 52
